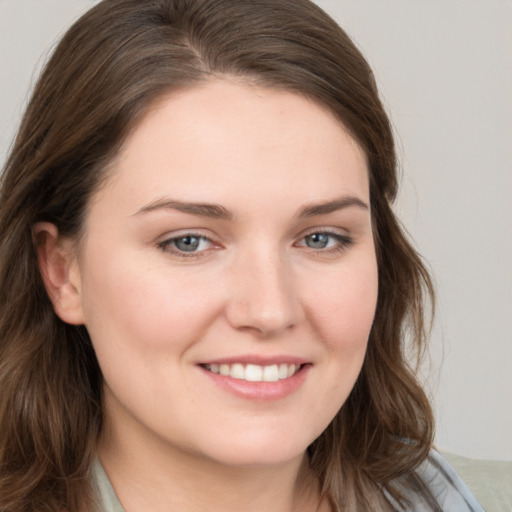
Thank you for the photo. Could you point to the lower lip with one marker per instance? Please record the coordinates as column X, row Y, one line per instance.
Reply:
column 260, row 391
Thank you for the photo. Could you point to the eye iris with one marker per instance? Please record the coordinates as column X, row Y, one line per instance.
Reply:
column 187, row 243
column 317, row 240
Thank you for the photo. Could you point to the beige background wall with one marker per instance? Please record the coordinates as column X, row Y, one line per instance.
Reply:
column 445, row 70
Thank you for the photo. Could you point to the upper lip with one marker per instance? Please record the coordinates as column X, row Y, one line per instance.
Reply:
column 258, row 360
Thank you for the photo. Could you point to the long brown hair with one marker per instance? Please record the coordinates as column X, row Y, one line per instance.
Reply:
column 108, row 69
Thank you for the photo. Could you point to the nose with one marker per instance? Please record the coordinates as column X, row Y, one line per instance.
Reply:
column 262, row 295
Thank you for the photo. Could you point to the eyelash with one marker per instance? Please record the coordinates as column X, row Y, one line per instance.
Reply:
column 342, row 242
column 168, row 245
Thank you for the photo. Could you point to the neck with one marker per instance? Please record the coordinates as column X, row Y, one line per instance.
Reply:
column 154, row 476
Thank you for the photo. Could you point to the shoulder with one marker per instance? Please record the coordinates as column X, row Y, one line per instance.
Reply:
column 446, row 485
column 437, row 478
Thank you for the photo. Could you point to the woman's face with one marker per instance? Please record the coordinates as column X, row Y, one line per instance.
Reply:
column 227, row 275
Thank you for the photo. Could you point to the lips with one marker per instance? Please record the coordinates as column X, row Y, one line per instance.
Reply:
column 255, row 372
column 257, row 378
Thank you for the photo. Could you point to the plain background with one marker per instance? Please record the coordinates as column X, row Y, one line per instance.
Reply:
column 445, row 72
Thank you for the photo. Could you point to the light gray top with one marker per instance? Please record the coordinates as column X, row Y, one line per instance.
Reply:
column 445, row 484
column 438, row 475
column 108, row 501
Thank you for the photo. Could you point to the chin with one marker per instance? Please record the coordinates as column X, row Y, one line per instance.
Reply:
column 258, row 459
column 259, row 450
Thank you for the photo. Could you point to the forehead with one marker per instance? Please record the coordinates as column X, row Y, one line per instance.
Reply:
column 225, row 136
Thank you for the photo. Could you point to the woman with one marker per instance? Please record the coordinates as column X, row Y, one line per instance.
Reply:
column 204, row 288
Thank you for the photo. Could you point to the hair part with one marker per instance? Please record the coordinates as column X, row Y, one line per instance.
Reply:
column 108, row 70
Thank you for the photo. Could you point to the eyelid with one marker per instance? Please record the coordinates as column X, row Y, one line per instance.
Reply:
column 344, row 239
column 328, row 230
column 165, row 243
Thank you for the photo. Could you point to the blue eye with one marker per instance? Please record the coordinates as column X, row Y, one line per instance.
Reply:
column 318, row 240
column 326, row 241
column 186, row 244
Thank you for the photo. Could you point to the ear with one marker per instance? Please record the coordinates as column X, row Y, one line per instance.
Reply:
column 60, row 272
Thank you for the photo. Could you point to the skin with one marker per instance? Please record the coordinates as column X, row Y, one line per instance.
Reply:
column 257, row 285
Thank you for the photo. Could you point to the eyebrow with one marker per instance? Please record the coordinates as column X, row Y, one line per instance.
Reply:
column 216, row 211
column 332, row 206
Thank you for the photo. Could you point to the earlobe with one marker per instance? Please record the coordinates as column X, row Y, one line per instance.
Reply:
column 59, row 270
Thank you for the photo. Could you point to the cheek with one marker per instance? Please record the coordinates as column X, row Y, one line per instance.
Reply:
column 142, row 322
column 341, row 315
column 133, row 308
column 345, row 308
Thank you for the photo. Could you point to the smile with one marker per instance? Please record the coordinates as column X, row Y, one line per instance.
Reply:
column 254, row 372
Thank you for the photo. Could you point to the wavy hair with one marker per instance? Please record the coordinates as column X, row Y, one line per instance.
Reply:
column 108, row 69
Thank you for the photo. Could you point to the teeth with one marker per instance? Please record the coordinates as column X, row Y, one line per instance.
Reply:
column 237, row 371
column 254, row 372
column 270, row 373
